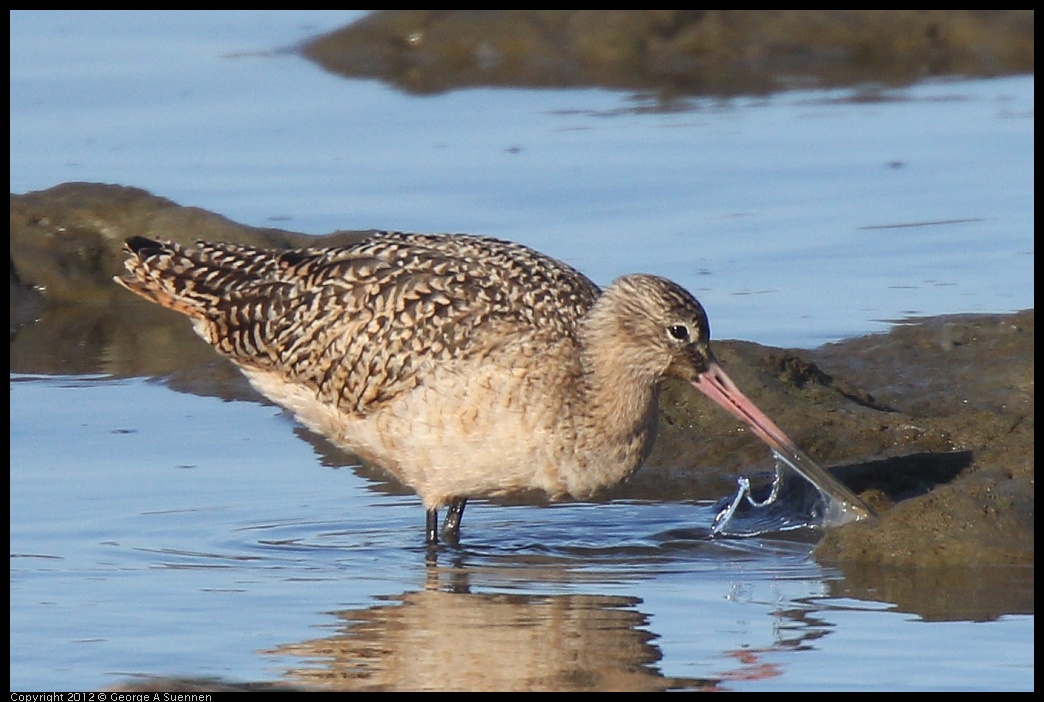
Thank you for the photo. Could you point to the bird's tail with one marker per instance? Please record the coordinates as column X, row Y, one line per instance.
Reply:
column 190, row 279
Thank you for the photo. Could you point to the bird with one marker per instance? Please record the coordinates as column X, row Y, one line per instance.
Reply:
column 465, row 366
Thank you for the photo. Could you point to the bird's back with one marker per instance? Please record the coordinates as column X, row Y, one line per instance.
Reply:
column 360, row 324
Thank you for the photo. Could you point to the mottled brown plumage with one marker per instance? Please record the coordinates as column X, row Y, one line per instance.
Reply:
column 466, row 366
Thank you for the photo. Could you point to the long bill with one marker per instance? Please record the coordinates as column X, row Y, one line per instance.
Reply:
column 718, row 386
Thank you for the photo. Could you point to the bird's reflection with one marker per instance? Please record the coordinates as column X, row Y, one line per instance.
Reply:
column 452, row 639
column 452, row 636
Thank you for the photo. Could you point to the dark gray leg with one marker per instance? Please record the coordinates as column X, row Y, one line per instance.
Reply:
column 451, row 528
column 431, row 536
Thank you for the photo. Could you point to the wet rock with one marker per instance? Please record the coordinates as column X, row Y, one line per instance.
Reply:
column 67, row 241
column 676, row 52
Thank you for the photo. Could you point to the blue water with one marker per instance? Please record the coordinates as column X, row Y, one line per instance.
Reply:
column 160, row 533
column 167, row 534
column 791, row 218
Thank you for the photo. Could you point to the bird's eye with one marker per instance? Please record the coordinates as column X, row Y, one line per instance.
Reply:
column 678, row 331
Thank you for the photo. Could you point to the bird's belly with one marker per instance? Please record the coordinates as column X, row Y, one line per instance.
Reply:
column 483, row 432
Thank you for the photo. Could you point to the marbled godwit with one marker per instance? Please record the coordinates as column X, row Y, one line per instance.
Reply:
column 465, row 366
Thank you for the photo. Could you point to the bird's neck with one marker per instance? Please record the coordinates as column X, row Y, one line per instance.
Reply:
column 622, row 396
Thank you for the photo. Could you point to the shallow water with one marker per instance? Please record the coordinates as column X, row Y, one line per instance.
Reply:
column 167, row 534
column 161, row 533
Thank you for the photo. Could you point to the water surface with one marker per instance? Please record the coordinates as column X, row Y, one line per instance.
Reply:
column 162, row 533
column 167, row 534
column 798, row 219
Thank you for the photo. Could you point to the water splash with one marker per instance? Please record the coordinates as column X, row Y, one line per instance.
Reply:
column 791, row 500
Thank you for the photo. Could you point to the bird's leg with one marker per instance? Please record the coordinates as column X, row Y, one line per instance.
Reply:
column 431, row 537
column 451, row 527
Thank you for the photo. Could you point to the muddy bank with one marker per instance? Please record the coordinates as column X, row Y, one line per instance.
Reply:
column 673, row 53
column 931, row 423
